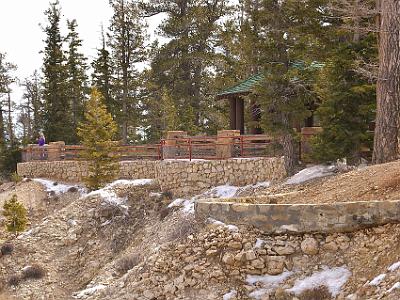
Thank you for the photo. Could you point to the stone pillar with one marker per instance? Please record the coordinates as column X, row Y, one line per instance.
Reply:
column 232, row 113
column 224, row 147
column 55, row 151
column 240, row 115
column 171, row 149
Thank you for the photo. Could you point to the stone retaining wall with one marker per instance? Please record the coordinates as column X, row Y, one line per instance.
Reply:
column 193, row 177
column 302, row 218
column 181, row 177
column 73, row 171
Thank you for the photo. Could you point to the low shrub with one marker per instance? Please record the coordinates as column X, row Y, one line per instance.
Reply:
column 6, row 249
column 15, row 177
column 33, row 272
column 318, row 293
column 167, row 195
column 127, row 263
column 14, row 280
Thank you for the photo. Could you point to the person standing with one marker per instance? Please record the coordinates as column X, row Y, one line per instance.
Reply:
column 41, row 143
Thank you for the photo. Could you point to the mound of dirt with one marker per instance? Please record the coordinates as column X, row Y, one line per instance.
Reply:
column 372, row 183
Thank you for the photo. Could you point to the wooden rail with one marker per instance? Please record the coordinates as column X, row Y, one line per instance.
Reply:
column 197, row 147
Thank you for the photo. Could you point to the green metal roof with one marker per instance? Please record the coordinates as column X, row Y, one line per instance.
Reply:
column 242, row 87
column 245, row 86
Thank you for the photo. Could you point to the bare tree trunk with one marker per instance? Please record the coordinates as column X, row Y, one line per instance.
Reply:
column 288, row 142
column 386, row 145
column 10, row 124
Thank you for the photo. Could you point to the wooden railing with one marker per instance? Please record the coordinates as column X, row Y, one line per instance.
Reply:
column 197, row 147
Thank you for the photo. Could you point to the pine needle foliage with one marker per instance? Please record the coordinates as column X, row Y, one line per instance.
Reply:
column 96, row 133
column 16, row 215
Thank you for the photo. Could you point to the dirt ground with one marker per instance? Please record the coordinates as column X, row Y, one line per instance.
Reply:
column 373, row 183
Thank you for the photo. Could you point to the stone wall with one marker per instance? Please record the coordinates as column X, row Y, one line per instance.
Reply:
column 178, row 176
column 302, row 218
column 185, row 178
column 73, row 171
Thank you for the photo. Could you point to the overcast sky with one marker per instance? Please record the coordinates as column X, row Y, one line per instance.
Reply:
column 21, row 36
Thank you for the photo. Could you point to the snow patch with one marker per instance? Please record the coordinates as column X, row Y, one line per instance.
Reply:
column 259, row 243
column 258, row 294
column 333, row 279
column 394, row 267
column 394, row 287
column 89, row 291
column 311, row 173
column 267, row 282
column 134, row 182
column 219, row 223
column 57, row 188
column 377, row 280
column 230, row 295
column 109, row 195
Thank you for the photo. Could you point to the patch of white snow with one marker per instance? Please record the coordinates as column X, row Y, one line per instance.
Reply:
column 57, row 188
column 394, row 287
column 230, row 295
column 377, row 280
column 311, row 173
column 258, row 294
column 333, row 279
column 89, row 291
column 259, row 243
column 268, row 280
column 394, row 267
column 219, row 223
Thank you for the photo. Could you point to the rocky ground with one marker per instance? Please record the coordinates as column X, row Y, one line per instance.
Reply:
column 123, row 242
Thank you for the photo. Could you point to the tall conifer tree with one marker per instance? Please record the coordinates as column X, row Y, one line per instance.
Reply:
column 102, row 75
column 126, row 40
column 57, row 119
column 77, row 78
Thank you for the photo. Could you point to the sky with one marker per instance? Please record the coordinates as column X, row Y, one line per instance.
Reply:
column 21, row 36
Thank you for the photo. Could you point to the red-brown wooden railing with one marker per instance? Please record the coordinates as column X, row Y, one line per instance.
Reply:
column 197, row 147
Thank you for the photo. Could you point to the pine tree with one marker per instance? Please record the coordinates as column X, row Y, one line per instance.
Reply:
column 57, row 117
column 347, row 98
column 185, row 64
column 102, row 75
column 15, row 214
column 126, row 40
column 77, row 78
column 96, row 134
column 169, row 111
column 31, row 108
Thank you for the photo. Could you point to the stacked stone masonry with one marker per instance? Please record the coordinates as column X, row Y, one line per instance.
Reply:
column 302, row 218
column 181, row 177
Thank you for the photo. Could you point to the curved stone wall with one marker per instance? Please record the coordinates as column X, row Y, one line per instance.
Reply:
column 302, row 218
column 181, row 177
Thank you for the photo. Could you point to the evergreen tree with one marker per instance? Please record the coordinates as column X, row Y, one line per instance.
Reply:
column 96, row 134
column 347, row 100
column 31, row 108
column 57, row 118
column 185, row 64
column 102, row 75
column 15, row 214
column 9, row 151
column 126, row 40
column 170, row 113
column 77, row 79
